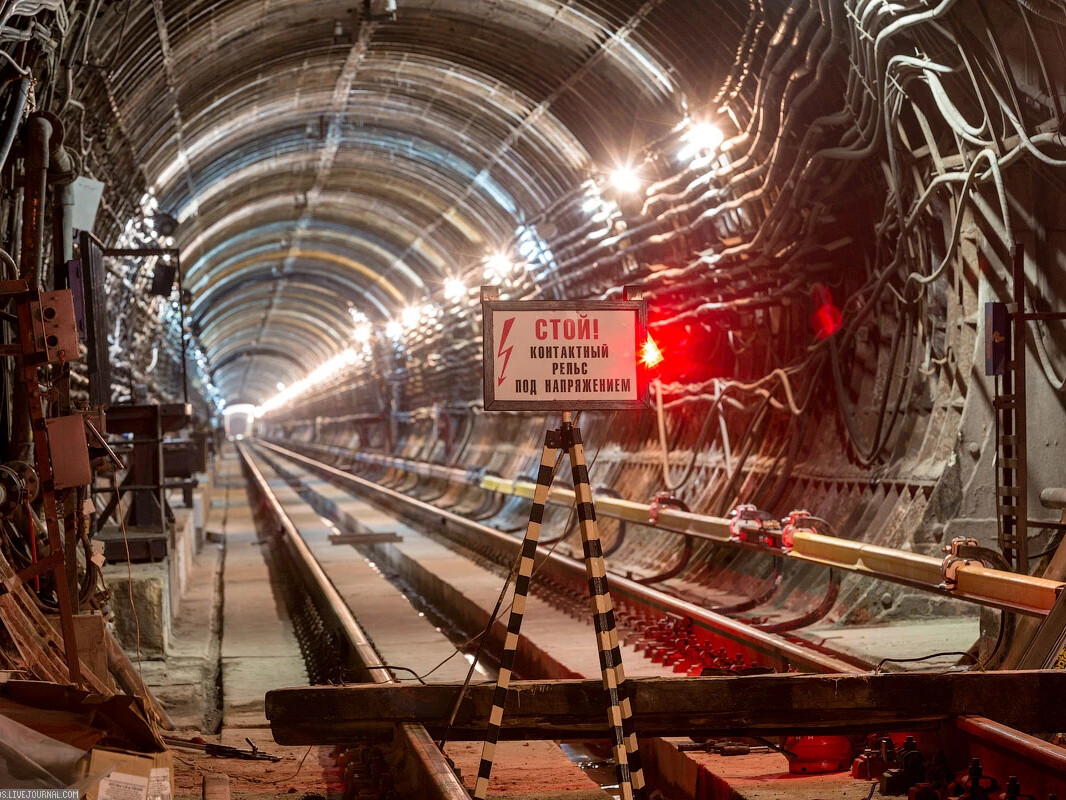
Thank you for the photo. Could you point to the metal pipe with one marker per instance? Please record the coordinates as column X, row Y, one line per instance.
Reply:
column 37, row 136
column 63, row 225
column 1053, row 498
column 13, row 116
column 38, row 158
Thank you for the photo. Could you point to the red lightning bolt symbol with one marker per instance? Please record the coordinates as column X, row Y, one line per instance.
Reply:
column 503, row 353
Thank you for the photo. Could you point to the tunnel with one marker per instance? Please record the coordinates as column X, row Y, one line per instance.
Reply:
column 526, row 399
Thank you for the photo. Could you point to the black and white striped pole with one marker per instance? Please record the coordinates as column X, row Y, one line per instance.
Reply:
column 619, row 708
column 560, row 357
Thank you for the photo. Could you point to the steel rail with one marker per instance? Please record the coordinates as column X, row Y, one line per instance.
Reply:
column 1001, row 589
column 435, row 777
column 784, row 652
column 993, row 737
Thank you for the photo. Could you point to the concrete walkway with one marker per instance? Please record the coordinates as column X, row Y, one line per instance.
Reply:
column 424, row 561
column 259, row 649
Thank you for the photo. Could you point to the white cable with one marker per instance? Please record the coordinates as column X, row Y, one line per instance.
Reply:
column 21, row 70
column 727, row 450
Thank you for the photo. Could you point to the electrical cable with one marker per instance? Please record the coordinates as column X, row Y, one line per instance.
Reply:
column 670, row 484
column 1050, row 550
column 976, row 661
column 120, row 513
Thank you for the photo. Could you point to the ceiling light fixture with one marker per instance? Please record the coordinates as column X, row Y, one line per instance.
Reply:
column 499, row 265
column 702, row 139
column 625, row 179
column 454, row 289
column 411, row 316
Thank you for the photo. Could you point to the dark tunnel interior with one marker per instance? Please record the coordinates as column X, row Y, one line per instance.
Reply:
column 245, row 248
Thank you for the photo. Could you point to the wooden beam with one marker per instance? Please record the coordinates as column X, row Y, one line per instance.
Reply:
column 215, row 787
column 714, row 706
column 365, row 538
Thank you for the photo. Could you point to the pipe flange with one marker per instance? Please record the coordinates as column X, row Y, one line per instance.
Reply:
column 12, row 491
column 29, row 477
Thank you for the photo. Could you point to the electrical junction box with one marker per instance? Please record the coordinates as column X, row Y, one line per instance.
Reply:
column 70, row 451
column 55, row 327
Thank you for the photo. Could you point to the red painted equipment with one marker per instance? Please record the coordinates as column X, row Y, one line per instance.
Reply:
column 814, row 755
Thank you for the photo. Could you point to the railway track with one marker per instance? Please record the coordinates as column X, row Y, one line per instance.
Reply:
column 426, row 771
column 667, row 633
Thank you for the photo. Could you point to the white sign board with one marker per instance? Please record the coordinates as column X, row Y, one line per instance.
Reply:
column 564, row 356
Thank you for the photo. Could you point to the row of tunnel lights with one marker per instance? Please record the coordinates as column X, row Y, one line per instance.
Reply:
column 700, row 143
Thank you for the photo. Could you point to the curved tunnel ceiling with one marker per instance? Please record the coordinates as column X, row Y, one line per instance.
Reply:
column 321, row 163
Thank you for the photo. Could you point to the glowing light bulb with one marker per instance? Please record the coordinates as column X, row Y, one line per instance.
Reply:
column 701, row 139
column 411, row 316
column 625, row 179
column 363, row 333
column 650, row 354
column 500, row 265
column 827, row 318
column 394, row 330
column 454, row 289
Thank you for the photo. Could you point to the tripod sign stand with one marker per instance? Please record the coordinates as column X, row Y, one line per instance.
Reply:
column 619, row 709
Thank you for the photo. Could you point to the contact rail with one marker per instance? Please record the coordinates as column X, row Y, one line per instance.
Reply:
column 1003, row 749
column 772, row 649
column 996, row 588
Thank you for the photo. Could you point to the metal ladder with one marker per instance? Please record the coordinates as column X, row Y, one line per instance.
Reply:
column 1009, row 406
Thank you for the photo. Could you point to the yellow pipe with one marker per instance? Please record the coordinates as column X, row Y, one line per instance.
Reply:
column 999, row 588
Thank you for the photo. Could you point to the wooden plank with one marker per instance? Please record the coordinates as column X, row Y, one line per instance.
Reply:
column 216, row 787
column 713, row 706
column 364, row 538
column 38, row 643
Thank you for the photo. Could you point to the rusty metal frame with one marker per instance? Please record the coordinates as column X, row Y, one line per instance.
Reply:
column 31, row 361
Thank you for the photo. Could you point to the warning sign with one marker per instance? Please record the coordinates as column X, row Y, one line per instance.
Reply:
column 563, row 356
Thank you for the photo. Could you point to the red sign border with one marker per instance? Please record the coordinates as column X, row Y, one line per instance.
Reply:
column 491, row 307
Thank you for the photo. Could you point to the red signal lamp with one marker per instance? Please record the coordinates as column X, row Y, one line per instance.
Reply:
column 826, row 319
column 650, row 354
